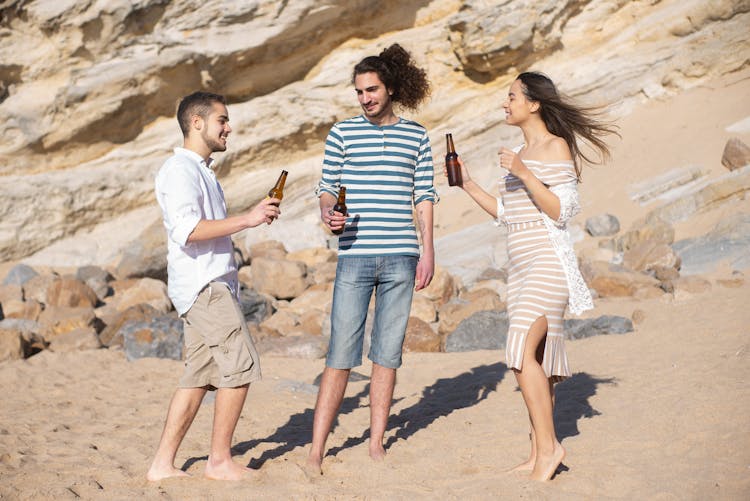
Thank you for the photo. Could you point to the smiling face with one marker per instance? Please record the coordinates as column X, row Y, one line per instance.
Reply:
column 373, row 96
column 215, row 128
column 517, row 106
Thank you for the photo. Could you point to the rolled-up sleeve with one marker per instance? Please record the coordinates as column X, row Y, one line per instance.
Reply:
column 424, row 174
column 181, row 199
column 333, row 164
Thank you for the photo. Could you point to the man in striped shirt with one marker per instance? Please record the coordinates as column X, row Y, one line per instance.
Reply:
column 385, row 163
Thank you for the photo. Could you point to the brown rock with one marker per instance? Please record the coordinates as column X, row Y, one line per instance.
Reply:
column 12, row 345
column 57, row 320
column 638, row 316
column 315, row 298
column 269, row 249
column 311, row 322
column 654, row 230
column 423, row 309
column 10, row 292
column 313, row 256
column 665, row 273
column 442, row 288
column 145, row 291
column 323, row 273
column 82, row 338
column 283, row 322
column 37, row 287
column 68, row 291
column 451, row 314
column 485, row 297
column 610, row 280
column 420, row 337
column 111, row 336
column 736, row 154
column 279, row 278
column 30, row 309
column 245, row 276
column 648, row 255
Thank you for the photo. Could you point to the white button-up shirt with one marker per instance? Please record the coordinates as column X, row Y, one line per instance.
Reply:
column 187, row 191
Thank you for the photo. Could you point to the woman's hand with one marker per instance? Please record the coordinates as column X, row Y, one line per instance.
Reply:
column 464, row 172
column 510, row 161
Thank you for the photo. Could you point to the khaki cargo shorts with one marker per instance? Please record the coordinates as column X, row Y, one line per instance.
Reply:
column 219, row 352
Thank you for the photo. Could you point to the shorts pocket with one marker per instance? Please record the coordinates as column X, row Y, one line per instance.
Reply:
column 231, row 352
column 227, row 339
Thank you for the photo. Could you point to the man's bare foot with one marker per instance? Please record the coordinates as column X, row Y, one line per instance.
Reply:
column 156, row 473
column 547, row 464
column 527, row 465
column 227, row 470
column 377, row 452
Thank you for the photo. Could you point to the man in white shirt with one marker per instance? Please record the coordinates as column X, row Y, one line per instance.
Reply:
column 203, row 285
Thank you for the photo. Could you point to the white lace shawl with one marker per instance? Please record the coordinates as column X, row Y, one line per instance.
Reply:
column 579, row 296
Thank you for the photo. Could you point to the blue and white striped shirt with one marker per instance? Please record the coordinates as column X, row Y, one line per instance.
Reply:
column 386, row 171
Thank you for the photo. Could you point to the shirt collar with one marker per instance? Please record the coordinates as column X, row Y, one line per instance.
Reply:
column 194, row 156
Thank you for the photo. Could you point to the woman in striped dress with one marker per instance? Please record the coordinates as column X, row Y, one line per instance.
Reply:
column 537, row 197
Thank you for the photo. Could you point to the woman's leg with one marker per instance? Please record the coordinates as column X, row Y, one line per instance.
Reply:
column 528, row 465
column 537, row 394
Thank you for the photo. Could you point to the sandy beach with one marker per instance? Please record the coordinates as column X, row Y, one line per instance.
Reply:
column 658, row 413
column 654, row 414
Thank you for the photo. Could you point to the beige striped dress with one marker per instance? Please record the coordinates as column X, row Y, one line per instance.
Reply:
column 537, row 284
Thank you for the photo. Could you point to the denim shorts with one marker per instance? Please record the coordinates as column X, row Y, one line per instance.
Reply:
column 392, row 278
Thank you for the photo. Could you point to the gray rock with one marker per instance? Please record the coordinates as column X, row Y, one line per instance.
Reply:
column 602, row 225
column 256, row 307
column 19, row 275
column 576, row 328
column 160, row 337
column 728, row 242
column 484, row 330
column 97, row 278
column 306, row 346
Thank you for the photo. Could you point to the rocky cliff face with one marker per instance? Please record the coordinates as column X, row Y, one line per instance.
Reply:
column 88, row 90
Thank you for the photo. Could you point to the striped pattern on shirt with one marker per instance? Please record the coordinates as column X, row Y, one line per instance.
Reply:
column 386, row 170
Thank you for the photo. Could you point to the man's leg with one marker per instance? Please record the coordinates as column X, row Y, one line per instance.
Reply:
column 228, row 406
column 331, row 394
column 382, row 382
column 182, row 410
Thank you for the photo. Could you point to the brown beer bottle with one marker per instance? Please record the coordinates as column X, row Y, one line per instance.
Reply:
column 278, row 189
column 340, row 206
column 451, row 163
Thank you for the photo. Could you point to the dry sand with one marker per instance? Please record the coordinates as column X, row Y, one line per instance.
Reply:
column 660, row 413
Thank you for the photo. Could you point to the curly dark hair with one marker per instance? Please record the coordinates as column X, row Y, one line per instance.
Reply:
column 396, row 69
column 567, row 120
column 198, row 103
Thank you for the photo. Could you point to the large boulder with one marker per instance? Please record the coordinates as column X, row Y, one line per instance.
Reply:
column 602, row 225
column 145, row 291
column 279, row 278
column 442, row 288
column 576, row 328
column 484, row 330
column 111, row 335
column 82, row 338
column 19, row 275
column 728, row 242
column 159, row 337
column 611, row 280
column 421, row 337
column 57, row 320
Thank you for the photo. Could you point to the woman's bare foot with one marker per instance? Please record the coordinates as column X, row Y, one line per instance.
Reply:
column 377, row 452
column 313, row 465
column 156, row 473
column 546, row 465
column 227, row 470
column 527, row 465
